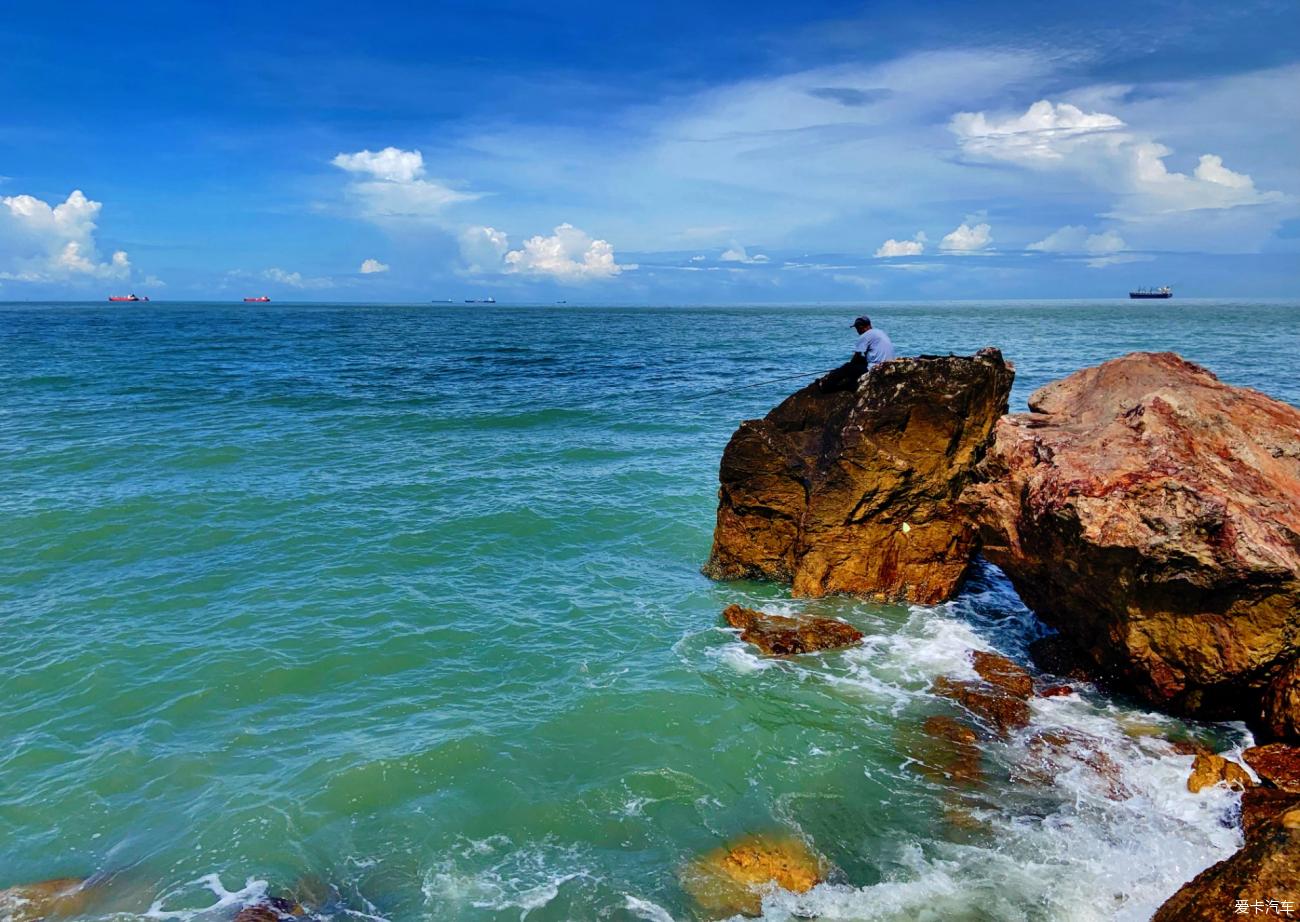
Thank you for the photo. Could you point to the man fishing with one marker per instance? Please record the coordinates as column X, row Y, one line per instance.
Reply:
column 872, row 348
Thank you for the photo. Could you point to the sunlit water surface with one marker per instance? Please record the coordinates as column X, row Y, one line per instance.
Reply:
column 401, row 605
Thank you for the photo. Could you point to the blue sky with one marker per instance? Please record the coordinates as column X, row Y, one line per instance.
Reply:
column 666, row 152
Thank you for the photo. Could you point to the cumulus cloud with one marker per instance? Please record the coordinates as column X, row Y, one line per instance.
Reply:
column 371, row 266
column 965, row 238
column 568, row 255
column 738, row 254
column 1105, row 249
column 295, row 279
column 892, row 247
column 1059, row 136
column 390, row 185
column 42, row 243
column 483, row 248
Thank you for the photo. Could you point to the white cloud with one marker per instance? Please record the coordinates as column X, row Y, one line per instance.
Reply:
column 1060, row 136
column 892, row 247
column 1104, row 249
column 966, row 238
column 391, row 185
column 738, row 254
column 40, row 243
column 568, row 255
column 483, row 248
column 371, row 266
column 295, row 279
column 857, row 281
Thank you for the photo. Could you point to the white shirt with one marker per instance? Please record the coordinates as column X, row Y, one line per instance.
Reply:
column 875, row 347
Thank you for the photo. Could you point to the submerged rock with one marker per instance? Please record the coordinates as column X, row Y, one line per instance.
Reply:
column 1001, row 672
column 856, row 492
column 732, row 879
column 1266, row 871
column 1261, row 806
column 1209, row 769
column 778, row 635
column 64, row 896
column 951, row 754
column 272, row 909
column 1276, row 763
column 1048, row 753
column 1150, row 513
column 1002, row 711
column 1280, row 713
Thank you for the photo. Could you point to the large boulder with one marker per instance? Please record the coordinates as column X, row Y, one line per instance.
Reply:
column 1280, row 715
column 855, row 491
column 1151, row 514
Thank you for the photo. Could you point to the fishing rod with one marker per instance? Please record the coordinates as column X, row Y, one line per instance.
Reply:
column 728, row 390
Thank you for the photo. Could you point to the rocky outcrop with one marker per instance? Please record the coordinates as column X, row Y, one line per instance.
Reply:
column 1151, row 514
column 1209, row 769
column 855, row 492
column 1280, row 714
column 1265, row 872
column 1276, row 763
column 731, row 880
column 1261, row 806
column 777, row 635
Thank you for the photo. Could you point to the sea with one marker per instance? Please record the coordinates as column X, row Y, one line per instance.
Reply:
column 398, row 609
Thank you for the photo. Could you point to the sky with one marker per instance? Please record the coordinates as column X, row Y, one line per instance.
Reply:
column 669, row 152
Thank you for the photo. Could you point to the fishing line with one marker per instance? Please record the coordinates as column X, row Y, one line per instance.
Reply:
column 729, row 390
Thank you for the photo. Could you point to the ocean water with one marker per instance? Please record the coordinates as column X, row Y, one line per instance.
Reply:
column 398, row 607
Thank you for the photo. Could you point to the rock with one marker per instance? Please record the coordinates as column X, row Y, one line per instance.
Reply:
column 64, row 896
column 855, row 492
column 781, row 636
column 1049, row 753
column 1266, row 869
column 1150, row 513
column 1057, row 656
column 1189, row 747
column 953, row 755
column 1055, row 691
column 1209, row 769
column 732, row 879
column 1001, row 672
column 1261, row 806
column 993, row 705
column 1276, row 763
column 1280, row 713
column 272, row 909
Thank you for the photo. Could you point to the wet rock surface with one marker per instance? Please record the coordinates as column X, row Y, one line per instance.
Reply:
column 1260, row 806
column 1266, row 870
column 1276, row 763
column 1280, row 713
column 1209, row 769
column 856, row 492
column 1050, row 752
column 1001, row 672
column 1150, row 513
column 998, row 709
column 731, row 880
column 778, row 635
column 951, row 753
column 60, row 897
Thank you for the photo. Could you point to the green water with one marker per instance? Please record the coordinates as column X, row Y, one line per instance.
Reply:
column 401, row 605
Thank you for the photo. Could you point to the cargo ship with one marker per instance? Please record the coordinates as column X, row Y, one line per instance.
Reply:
column 126, row 298
column 480, row 300
column 260, row 299
column 1165, row 292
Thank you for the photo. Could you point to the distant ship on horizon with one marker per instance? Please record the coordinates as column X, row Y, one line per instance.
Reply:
column 480, row 300
column 126, row 298
column 260, row 299
column 1165, row 292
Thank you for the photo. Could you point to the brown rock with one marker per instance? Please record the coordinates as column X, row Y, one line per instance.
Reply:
column 1055, row 691
column 1209, row 769
column 1150, row 513
column 1056, row 655
column 781, row 636
column 999, row 671
column 732, row 879
column 1267, row 868
column 855, row 492
column 1276, row 763
column 1049, row 752
column 1261, row 806
column 271, row 910
column 993, row 705
column 1187, row 747
column 1281, row 705
column 64, row 896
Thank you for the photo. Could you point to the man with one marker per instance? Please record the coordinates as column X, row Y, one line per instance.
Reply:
column 872, row 348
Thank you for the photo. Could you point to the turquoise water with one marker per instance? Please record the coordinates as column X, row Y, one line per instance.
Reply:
column 404, row 601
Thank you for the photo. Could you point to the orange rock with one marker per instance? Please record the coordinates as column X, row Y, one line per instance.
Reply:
column 1266, row 868
column 781, row 636
column 1280, row 712
column 64, row 896
column 1276, row 763
column 1149, row 512
column 854, row 492
column 732, row 879
column 999, row 671
column 1209, row 769
column 993, row 705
